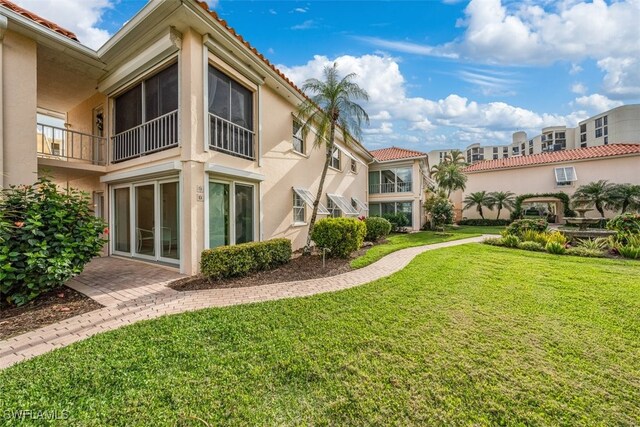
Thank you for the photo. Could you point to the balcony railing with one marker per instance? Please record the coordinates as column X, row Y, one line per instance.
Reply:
column 390, row 187
column 64, row 144
column 554, row 147
column 230, row 138
column 158, row 134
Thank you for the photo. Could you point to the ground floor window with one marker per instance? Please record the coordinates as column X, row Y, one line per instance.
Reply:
column 392, row 208
column 231, row 213
column 146, row 220
column 299, row 209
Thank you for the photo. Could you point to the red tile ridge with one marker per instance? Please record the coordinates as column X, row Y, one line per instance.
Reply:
column 38, row 19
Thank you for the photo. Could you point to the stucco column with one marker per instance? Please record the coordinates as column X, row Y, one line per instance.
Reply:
column 3, row 29
column 192, row 149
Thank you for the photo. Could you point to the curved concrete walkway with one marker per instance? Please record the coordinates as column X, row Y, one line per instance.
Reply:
column 160, row 300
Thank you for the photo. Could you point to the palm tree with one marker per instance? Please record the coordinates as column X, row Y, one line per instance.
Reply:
column 330, row 108
column 478, row 199
column 455, row 156
column 502, row 200
column 625, row 196
column 450, row 178
column 596, row 193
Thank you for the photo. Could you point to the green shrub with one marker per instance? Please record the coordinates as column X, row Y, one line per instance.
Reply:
column 599, row 244
column 535, row 236
column 245, row 258
column 341, row 236
column 519, row 226
column 556, row 237
column 624, row 225
column 511, row 241
column 555, row 248
column 377, row 228
column 494, row 241
column 398, row 221
column 585, row 252
column 531, row 246
column 47, row 236
column 439, row 210
column 629, row 251
column 484, row 222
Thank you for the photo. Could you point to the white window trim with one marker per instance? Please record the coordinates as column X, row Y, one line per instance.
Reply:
column 341, row 203
column 563, row 178
column 309, row 200
column 304, row 211
column 362, row 205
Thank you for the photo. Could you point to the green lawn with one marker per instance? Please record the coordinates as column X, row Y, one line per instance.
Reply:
column 402, row 241
column 470, row 335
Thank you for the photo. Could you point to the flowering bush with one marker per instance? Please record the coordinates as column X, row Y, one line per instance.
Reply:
column 625, row 225
column 46, row 237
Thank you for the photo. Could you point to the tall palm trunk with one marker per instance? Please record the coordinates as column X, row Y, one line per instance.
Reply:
column 499, row 209
column 316, row 202
column 480, row 211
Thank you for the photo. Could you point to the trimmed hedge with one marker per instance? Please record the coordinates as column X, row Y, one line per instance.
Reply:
column 484, row 222
column 341, row 236
column 377, row 228
column 398, row 221
column 519, row 227
column 245, row 258
column 564, row 197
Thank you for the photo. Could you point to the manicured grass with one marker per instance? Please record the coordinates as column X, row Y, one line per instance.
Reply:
column 470, row 335
column 402, row 241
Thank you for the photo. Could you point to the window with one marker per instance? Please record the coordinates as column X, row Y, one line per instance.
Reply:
column 599, row 122
column 560, row 135
column 298, row 137
column 606, row 140
column 299, row 209
column 605, row 130
column 598, row 132
column 354, row 166
column 583, row 137
column 334, row 211
column 359, row 205
column 309, row 199
column 396, row 180
column 583, row 128
column 339, row 202
column 152, row 100
column 605, row 120
column 530, row 150
column 495, row 150
column 565, row 175
column 230, row 115
column 335, row 158
column 495, row 157
column 393, row 208
column 231, row 213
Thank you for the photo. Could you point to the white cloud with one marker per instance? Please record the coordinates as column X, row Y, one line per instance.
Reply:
column 309, row 23
column 406, row 47
column 622, row 78
column 575, row 69
column 579, row 88
column 597, row 103
column 390, row 108
column 300, row 10
column 81, row 17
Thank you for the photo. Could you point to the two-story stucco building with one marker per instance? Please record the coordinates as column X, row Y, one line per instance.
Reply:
column 397, row 183
column 180, row 130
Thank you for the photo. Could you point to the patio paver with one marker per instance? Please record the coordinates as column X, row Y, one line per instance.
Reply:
column 133, row 291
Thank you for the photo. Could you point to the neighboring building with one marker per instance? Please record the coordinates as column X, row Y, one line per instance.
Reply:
column 560, row 171
column 620, row 125
column 182, row 132
column 398, row 179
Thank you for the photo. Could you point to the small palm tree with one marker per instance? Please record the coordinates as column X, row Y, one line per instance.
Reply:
column 597, row 193
column 456, row 157
column 478, row 199
column 625, row 196
column 450, row 178
column 502, row 200
column 330, row 109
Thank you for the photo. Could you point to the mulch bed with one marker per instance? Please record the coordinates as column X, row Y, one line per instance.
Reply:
column 299, row 268
column 51, row 307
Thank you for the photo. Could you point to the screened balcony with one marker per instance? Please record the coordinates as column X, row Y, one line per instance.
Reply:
column 396, row 180
column 155, row 135
column 58, row 143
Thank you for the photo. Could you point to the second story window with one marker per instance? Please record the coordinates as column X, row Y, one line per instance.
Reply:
column 230, row 115
column 354, row 166
column 298, row 137
column 335, row 158
column 146, row 116
column 396, row 180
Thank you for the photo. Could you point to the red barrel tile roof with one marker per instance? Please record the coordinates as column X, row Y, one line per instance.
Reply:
column 556, row 157
column 35, row 18
column 395, row 153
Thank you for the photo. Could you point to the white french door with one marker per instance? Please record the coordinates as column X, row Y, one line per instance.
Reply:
column 145, row 220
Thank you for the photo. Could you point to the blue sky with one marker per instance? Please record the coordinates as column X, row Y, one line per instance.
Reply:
column 440, row 74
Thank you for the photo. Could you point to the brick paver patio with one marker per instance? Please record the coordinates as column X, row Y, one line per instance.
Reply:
column 132, row 291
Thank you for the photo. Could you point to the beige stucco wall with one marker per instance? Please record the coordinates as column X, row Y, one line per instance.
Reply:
column 416, row 196
column 19, row 86
column 541, row 179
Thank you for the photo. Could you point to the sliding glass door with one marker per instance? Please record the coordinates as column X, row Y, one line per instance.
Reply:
column 231, row 213
column 146, row 220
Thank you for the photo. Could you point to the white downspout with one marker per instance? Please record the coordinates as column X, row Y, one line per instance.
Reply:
column 3, row 29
